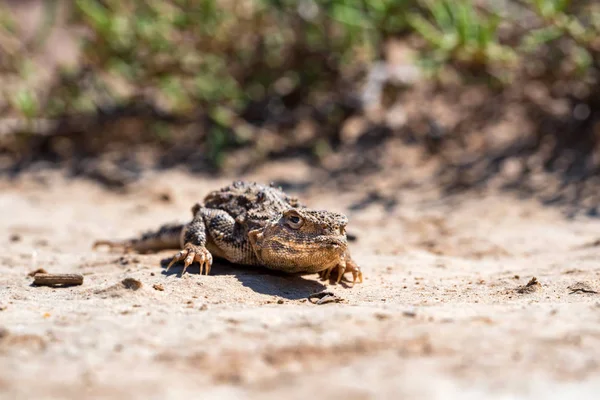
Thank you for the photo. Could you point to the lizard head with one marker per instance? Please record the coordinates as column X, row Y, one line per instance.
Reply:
column 301, row 240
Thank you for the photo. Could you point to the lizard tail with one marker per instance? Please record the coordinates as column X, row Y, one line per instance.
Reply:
column 165, row 238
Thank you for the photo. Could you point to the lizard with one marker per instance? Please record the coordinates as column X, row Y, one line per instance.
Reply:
column 251, row 224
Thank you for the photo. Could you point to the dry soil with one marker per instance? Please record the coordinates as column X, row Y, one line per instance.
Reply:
column 445, row 310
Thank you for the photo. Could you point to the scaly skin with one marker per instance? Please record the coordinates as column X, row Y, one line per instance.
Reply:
column 251, row 224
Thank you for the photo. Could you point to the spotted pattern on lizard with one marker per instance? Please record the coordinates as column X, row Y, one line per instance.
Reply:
column 251, row 224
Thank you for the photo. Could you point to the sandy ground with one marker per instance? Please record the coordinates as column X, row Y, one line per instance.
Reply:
column 444, row 311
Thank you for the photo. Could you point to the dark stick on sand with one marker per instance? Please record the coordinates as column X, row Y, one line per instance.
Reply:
column 55, row 280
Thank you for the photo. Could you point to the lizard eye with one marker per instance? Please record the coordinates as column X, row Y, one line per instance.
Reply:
column 294, row 221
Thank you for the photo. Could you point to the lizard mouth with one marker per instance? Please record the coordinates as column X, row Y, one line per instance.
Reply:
column 333, row 242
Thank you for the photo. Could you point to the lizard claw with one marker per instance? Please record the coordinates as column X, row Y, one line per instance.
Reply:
column 325, row 274
column 354, row 270
column 357, row 273
column 176, row 257
column 343, row 268
column 191, row 254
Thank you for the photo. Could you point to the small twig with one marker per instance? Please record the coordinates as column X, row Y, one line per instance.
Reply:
column 532, row 286
column 582, row 290
column 55, row 280
column 581, row 287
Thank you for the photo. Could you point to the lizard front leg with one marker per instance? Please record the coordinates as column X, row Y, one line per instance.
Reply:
column 353, row 268
column 228, row 238
column 346, row 264
column 193, row 243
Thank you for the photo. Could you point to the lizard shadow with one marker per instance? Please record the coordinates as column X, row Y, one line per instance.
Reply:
column 261, row 280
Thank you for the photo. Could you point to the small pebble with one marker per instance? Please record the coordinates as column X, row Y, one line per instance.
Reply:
column 131, row 283
column 165, row 197
column 324, row 297
column 41, row 242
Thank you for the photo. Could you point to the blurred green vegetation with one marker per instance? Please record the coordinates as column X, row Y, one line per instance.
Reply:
column 227, row 58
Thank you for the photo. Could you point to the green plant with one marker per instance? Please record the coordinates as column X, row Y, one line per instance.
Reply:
column 558, row 23
column 239, row 64
column 26, row 102
column 457, row 32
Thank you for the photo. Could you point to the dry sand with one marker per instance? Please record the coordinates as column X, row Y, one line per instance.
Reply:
column 444, row 311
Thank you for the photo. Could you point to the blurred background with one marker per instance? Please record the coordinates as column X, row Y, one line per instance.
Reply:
column 460, row 94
